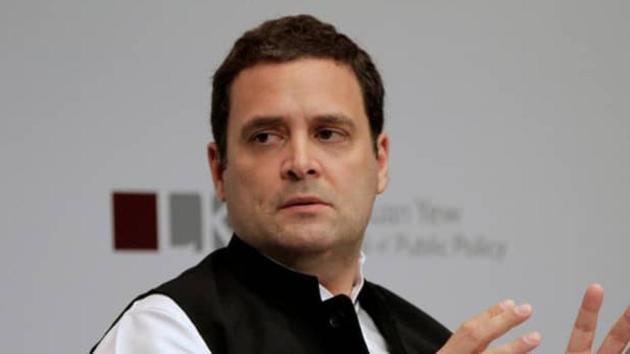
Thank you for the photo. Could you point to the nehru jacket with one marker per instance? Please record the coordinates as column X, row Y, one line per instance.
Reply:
column 242, row 302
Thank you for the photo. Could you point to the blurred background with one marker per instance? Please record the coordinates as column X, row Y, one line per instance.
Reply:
column 510, row 155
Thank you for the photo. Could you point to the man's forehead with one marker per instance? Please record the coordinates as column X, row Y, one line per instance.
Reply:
column 330, row 91
column 299, row 62
column 275, row 73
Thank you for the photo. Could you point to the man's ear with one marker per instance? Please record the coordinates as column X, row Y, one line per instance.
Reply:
column 382, row 158
column 216, row 168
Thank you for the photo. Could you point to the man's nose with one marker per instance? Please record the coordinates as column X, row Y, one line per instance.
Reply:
column 300, row 161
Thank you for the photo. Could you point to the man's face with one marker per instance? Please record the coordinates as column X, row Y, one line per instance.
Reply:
column 301, row 173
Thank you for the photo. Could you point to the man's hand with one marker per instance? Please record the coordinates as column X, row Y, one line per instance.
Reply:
column 583, row 332
column 475, row 335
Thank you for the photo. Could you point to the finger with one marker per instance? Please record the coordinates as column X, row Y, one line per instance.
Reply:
column 524, row 344
column 476, row 334
column 493, row 311
column 496, row 309
column 583, row 332
column 454, row 344
column 618, row 336
column 501, row 324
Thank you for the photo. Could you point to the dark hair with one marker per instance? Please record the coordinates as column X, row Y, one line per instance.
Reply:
column 286, row 39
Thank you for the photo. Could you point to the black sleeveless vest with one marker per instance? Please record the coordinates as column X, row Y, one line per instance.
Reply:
column 241, row 302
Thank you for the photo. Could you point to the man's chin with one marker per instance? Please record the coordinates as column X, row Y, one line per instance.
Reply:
column 306, row 239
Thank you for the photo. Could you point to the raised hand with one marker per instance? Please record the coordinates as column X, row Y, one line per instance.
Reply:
column 475, row 335
column 583, row 333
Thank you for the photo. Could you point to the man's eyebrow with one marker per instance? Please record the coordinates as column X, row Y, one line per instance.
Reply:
column 335, row 119
column 260, row 122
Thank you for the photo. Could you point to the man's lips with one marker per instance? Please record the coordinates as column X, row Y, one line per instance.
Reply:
column 303, row 201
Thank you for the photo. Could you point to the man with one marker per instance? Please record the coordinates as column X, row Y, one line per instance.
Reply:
column 300, row 155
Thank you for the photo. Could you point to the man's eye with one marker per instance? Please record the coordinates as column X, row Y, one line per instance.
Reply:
column 329, row 135
column 264, row 137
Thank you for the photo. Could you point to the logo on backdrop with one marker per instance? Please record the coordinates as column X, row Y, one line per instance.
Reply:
column 419, row 227
column 135, row 221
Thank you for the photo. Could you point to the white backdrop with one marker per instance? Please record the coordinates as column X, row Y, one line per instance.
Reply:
column 510, row 142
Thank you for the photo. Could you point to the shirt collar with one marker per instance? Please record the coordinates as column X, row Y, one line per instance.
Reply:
column 357, row 285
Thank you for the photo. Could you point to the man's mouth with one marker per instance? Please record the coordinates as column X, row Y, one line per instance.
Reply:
column 303, row 202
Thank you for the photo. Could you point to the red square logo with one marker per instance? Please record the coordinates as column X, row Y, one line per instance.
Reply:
column 135, row 221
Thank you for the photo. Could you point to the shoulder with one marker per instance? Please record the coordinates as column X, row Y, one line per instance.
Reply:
column 154, row 324
column 205, row 275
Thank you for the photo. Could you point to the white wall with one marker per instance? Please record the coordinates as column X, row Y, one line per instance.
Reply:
column 509, row 116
